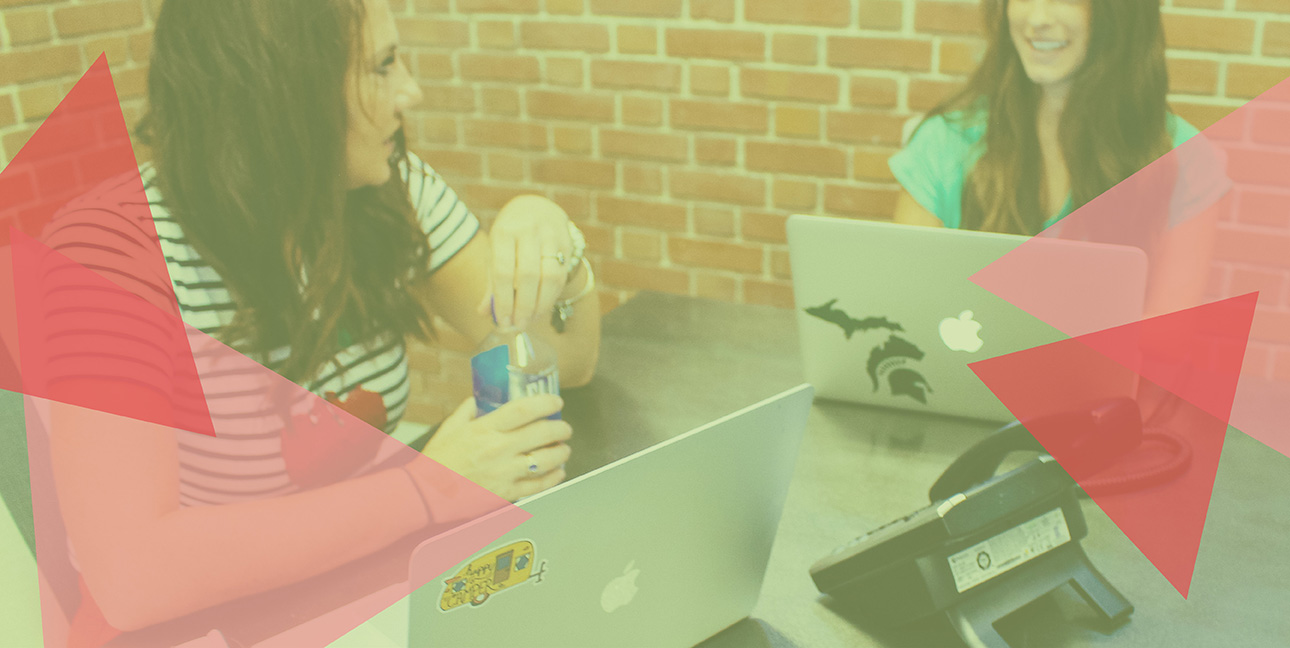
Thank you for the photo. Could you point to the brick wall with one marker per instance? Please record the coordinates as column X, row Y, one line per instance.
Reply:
column 678, row 133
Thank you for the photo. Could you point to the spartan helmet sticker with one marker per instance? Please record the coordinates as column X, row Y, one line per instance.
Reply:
column 489, row 574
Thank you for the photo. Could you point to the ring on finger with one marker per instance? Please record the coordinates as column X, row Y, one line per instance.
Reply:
column 533, row 467
column 560, row 257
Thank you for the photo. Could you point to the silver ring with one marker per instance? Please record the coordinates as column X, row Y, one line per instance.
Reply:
column 560, row 257
column 533, row 467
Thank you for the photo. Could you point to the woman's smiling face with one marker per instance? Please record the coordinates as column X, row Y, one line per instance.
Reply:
column 380, row 90
column 1051, row 37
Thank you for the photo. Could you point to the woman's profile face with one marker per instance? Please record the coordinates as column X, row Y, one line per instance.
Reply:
column 380, row 90
column 1051, row 37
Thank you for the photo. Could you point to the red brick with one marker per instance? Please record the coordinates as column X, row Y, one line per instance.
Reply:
column 1252, row 247
column 628, row 275
column 650, row 8
column 1273, row 6
column 711, row 285
column 434, row 65
column 826, row 13
column 500, row 101
column 640, row 213
column 1270, row 285
column 764, row 226
column 1201, row 116
column 455, row 164
column 8, row 115
column 600, row 239
column 439, row 129
column 497, row 6
column 1266, row 209
column 642, row 179
column 38, row 100
column 720, row 255
column 717, row 10
column 577, row 204
column 937, row 17
column 925, row 94
column 640, row 75
column 719, row 115
column 795, row 195
column 1209, row 33
column 642, row 246
column 79, row 20
column 716, row 151
column 505, row 166
column 564, row 71
column 733, row 189
column 796, row 122
column 1247, row 81
column 565, row 7
column 141, row 46
column 768, row 293
column 846, row 200
column 449, row 98
column 434, row 32
column 642, row 111
column 880, row 53
column 1193, row 76
column 28, row 26
column 637, row 39
column 886, row 15
column 26, row 65
column 115, row 48
column 802, row 49
column 871, row 164
column 795, row 159
column 496, row 34
column 566, row 105
column 506, row 134
column 714, row 221
column 580, row 173
column 712, row 80
column 582, row 37
column 960, row 57
column 572, row 139
column 1276, row 38
column 860, row 127
column 780, row 266
column 875, row 92
column 789, row 86
column 716, row 44
column 644, row 146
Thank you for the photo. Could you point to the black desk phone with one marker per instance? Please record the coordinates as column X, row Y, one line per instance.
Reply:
column 988, row 544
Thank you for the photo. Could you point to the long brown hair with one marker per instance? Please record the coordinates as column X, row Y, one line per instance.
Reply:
column 1114, row 123
column 247, row 120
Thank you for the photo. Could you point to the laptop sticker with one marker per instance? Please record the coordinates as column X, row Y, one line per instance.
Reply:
column 888, row 359
column 491, row 573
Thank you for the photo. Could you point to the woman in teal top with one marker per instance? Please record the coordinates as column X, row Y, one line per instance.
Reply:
column 1068, row 101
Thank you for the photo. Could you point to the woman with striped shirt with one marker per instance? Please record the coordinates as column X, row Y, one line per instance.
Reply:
column 297, row 229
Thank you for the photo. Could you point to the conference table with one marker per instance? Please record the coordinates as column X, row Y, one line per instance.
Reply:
column 669, row 364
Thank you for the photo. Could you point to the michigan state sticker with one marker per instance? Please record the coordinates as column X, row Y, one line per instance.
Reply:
column 489, row 574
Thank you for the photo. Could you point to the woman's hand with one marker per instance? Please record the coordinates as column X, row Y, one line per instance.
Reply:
column 498, row 449
column 529, row 237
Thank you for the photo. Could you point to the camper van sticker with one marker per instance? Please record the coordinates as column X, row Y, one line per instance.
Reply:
column 491, row 573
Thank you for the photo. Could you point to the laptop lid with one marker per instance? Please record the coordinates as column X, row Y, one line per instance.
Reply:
column 888, row 315
column 663, row 548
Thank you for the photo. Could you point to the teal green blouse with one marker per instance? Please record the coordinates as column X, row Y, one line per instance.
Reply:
column 935, row 163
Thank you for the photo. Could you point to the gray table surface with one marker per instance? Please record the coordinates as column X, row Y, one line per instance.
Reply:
column 672, row 363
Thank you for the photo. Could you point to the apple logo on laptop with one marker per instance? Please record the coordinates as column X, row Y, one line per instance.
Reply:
column 960, row 333
column 621, row 590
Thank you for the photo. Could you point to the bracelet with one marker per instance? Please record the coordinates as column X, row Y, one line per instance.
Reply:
column 420, row 495
column 564, row 309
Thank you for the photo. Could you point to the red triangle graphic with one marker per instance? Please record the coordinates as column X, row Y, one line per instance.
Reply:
column 1165, row 516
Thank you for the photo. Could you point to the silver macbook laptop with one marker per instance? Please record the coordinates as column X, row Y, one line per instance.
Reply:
column 661, row 549
column 887, row 314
